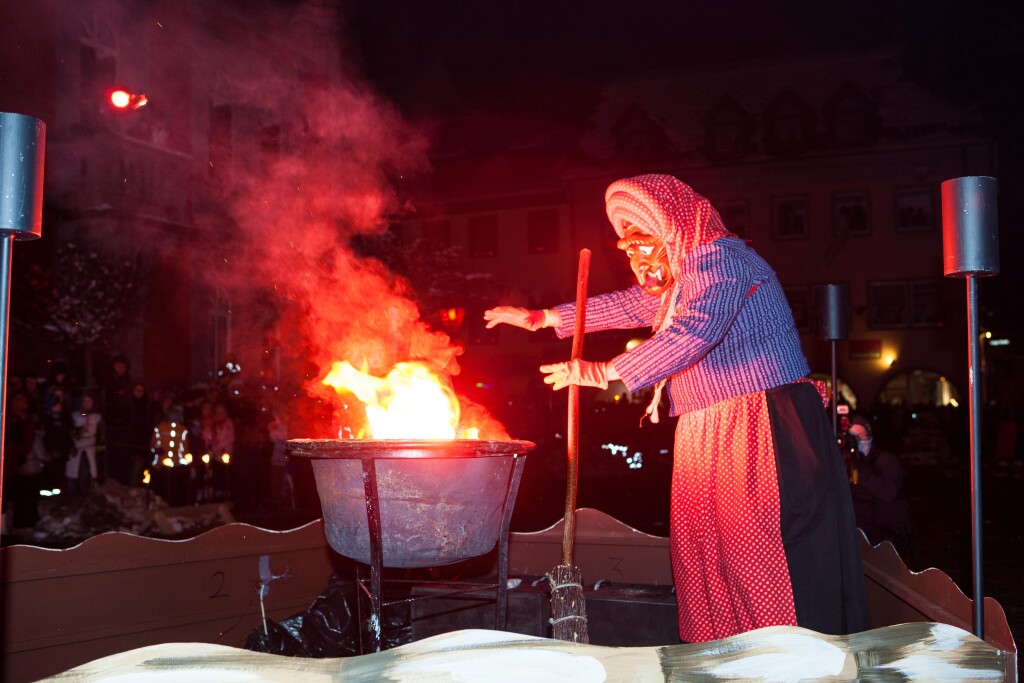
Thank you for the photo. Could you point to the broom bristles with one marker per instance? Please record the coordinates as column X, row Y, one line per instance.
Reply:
column 568, row 610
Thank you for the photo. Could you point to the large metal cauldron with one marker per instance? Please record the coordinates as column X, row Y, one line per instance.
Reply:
column 438, row 502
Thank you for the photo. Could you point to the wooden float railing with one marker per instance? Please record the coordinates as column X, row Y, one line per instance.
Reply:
column 116, row 592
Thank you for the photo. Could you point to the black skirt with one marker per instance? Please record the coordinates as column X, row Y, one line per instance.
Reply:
column 819, row 532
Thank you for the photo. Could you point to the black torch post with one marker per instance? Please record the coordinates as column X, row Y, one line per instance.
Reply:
column 833, row 325
column 970, row 249
column 21, row 211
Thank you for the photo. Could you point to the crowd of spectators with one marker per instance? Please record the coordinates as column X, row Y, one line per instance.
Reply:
column 187, row 445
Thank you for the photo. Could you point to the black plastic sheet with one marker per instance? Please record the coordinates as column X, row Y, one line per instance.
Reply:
column 329, row 627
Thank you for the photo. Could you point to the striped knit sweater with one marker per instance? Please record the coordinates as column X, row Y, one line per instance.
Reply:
column 732, row 332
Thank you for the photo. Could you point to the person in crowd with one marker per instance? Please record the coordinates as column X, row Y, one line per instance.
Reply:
column 200, row 428
column 118, row 407
column 222, row 449
column 60, row 378
column 222, row 433
column 82, row 471
column 140, row 434
column 200, row 433
column 21, row 472
column 33, row 393
column 282, row 485
column 876, row 482
column 762, row 526
column 58, row 427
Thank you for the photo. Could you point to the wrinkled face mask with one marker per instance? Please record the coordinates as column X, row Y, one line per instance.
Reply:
column 649, row 260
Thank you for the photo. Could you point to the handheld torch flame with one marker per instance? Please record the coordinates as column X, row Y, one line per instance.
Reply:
column 409, row 403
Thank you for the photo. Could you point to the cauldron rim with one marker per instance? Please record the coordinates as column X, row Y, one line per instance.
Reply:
column 383, row 449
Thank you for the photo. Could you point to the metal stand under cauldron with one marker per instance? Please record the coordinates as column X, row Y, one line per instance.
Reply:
column 404, row 504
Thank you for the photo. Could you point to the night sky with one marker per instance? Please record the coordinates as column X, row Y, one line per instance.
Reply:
column 548, row 59
column 492, row 50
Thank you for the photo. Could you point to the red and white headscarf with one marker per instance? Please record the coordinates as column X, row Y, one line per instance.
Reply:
column 668, row 208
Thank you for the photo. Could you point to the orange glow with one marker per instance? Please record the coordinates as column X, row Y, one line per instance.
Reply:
column 410, row 403
column 451, row 318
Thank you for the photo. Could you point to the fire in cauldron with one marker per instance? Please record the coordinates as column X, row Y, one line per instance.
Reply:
column 437, row 499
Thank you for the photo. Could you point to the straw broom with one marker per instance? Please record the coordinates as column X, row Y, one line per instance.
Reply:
column 568, row 612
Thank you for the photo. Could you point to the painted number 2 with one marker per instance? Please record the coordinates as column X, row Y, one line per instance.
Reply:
column 218, row 578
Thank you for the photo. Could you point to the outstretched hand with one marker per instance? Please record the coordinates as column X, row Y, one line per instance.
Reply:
column 581, row 372
column 518, row 317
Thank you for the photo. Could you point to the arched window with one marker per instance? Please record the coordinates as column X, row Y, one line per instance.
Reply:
column 919, row 387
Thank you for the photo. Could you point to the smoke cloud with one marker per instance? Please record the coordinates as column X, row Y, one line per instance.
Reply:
column 310, row 160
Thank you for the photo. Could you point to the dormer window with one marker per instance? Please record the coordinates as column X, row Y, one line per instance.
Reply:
column 639, row 138
column 788, row 125
column 851, row 117
column 728, row 130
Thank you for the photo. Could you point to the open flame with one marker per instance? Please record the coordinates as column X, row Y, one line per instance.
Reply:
column 411, row 402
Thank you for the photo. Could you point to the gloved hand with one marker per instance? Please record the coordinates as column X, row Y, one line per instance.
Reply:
column 522, row 317
column 581, row 372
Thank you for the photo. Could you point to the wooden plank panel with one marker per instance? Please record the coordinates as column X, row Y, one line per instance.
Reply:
column 114, row 591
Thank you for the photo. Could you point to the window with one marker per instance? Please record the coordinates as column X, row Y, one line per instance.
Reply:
column 542, row 231
column 483, row 236
column 914, row 210
column 887, row 305
column 918, row 303
column 851, row 213
column 220, row 312
column 926, row 308
column 789, row 218
column 221, row 141
column 98, row 68
column 438, row 233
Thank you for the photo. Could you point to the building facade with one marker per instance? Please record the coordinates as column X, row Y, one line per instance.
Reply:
column 148, row 181
column 830, row 166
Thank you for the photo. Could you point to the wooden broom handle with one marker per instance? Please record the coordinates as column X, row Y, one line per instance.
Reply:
column 572, row 440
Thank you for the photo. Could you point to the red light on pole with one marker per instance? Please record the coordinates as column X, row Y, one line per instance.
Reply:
column 122, row 99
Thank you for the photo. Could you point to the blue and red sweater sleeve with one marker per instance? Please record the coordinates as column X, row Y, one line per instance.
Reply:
column 626, row 309
column 712, row 290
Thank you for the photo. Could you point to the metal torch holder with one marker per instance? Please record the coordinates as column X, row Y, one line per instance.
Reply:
column 970, row 250
column 372, row 493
